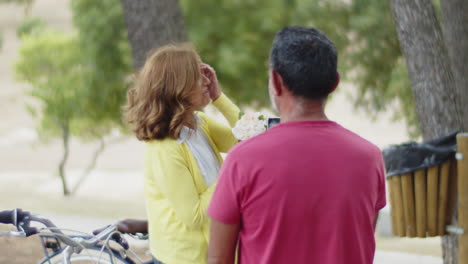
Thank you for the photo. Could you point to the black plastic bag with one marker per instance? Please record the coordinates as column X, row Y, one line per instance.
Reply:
column 409, row 157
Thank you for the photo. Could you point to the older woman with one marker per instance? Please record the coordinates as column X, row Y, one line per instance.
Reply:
column 183, row 149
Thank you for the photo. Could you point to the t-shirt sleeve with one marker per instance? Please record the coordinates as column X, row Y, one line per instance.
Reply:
column 381, row 196
column 224, row 206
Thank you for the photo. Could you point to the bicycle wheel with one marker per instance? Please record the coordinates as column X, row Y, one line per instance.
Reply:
column 88, row 256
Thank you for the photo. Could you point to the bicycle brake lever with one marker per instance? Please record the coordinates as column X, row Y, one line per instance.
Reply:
column 23, row 225
column 120, row 240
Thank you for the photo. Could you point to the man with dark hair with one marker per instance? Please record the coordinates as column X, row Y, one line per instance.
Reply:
column 307, row 190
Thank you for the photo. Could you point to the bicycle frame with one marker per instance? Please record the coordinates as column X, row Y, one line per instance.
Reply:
column 56, row 248
column 67, row 245
column 67, row 256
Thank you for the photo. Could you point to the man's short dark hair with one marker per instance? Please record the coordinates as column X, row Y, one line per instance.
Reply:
column 306, row 60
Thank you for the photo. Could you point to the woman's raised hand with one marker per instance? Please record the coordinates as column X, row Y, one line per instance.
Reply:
column 213, row 86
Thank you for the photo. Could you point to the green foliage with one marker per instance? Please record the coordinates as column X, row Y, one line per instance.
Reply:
column 235, row 37
column 370, row 57
column 79, row 79
column 50, row 63
column 30, row 25
column 104, row 48
column 372, row 60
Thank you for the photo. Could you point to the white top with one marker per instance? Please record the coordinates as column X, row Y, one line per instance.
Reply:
column 201, row 149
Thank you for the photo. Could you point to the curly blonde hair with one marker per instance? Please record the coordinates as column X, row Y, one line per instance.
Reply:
column 159, row 104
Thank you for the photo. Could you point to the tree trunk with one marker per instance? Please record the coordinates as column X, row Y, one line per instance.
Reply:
column 429, row 68
column 438, row 80
column 455, row 30
column 66, row 140
column 152, row 24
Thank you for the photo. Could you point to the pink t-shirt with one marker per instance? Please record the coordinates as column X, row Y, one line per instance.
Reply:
column 302, row 192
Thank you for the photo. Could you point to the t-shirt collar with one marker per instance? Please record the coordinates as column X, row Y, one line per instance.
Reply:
column 186, row 132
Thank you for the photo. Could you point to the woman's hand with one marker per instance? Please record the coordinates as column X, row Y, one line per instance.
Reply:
column 213, row 86
column 133, row 226
column 130, row 226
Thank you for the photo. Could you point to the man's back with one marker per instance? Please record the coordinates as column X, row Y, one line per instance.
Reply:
column 303, row 192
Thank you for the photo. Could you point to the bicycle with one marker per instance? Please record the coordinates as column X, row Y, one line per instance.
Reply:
column 60, row 248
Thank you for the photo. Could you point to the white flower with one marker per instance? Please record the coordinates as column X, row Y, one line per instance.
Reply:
column 249, row 125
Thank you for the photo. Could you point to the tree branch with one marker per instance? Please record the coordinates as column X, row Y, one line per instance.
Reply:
column 66, row 140
column 91, row 165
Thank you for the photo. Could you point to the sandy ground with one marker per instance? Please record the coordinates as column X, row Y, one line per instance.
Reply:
column 114, row 190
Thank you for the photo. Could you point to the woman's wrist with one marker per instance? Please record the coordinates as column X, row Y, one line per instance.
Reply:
column 216, row 96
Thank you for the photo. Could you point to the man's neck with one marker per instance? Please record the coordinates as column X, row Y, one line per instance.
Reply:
column 304, row 110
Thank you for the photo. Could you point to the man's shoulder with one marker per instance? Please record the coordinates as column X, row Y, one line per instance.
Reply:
column 254, row 143
column 360, row 147
column 248, row 150
column 358, row 139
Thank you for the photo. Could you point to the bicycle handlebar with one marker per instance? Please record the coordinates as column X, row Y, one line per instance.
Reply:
column 6, row 217
column 21, row 219
column 84, row 242
column 18, row 218
column 12, row 216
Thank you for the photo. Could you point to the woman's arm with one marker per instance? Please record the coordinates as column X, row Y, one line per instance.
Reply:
column 220, row 101
column 133, row 226
column 220, row 134
column 172, row 176
column 130, row 226
column 229, row 110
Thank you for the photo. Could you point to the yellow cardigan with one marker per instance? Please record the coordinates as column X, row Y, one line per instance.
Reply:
column 176, row 194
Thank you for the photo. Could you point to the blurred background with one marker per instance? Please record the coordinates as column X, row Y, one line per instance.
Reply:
column 65, row 66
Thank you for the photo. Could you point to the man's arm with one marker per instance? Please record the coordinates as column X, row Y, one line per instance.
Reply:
column 223, row 242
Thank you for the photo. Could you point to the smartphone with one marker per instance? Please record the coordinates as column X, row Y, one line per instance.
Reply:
column 273, row 121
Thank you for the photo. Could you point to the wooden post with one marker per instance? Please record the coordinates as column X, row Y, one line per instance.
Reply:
column 443, row 197
column 393, row 208
column 453, row 191
column 408, row 204
column 432, row 194
column 462, row 157
column 421, row 209
column 397, row 206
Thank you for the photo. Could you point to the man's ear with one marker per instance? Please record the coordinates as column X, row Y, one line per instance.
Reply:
column 278, row 84
column 337, row 81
